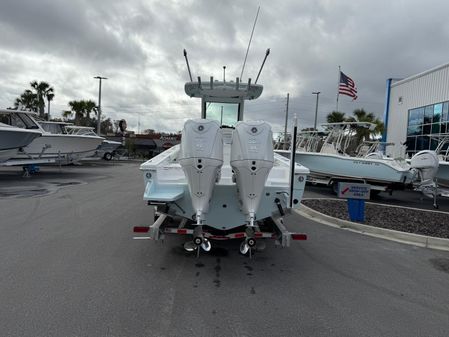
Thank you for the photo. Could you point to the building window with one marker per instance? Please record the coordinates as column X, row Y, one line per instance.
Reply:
column 424, row 122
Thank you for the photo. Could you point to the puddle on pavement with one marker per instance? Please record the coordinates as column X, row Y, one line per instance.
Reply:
column 441, row 264
column 40, row 189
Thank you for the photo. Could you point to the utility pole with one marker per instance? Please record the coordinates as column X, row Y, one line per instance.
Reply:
column 99, row 102
column 317, row 93
column 286, row 120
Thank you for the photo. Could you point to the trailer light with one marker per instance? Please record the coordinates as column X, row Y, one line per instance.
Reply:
column 299, row 237
column 141, row 229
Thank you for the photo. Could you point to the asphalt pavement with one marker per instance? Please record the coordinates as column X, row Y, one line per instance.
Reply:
column 69, row 267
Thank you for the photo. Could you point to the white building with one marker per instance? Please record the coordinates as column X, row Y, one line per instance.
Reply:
column 415, row 108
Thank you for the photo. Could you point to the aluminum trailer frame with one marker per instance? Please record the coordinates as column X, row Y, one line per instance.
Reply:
column 167, row 225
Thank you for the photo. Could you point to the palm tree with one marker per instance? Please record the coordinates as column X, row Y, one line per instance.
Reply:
column 50, row 97
column 42, row 90
column 90, row 106
column 360, row 115
column 82, row 110
column 27, row 101
column 335, row 117
column 67, row 114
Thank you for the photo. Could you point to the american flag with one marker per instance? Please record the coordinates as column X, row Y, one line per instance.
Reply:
column 347, row 86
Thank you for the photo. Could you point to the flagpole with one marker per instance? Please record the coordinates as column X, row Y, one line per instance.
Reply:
column 338, row 85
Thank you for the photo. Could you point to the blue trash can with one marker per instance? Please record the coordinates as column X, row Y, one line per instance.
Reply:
column 356, row 208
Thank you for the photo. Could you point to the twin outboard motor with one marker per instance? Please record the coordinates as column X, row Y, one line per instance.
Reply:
column 252, row 158
column 201, row 157
column 426, row 163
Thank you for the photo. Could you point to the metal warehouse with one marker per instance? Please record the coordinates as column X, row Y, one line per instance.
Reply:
column 416, row 111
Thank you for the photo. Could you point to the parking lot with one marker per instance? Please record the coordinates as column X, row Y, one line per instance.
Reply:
column 69, row 267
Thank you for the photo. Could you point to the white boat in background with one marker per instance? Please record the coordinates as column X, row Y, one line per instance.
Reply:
column 224, row 180
column 107, row 149
column 13, row 138
column 330, row 163
column 55, row 142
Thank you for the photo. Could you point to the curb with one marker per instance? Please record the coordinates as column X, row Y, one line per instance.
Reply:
column 383, row 233
column 382, row 204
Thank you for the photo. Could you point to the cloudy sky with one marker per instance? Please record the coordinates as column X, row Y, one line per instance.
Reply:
column 138, row 45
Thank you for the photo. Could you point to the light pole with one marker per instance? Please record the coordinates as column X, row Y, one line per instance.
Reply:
column 99, row 102
column 286, row 120
column 317, row 93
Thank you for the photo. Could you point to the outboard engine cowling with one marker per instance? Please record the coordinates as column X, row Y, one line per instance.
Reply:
column 252, row 158
column 426, row 163
column 201, row 157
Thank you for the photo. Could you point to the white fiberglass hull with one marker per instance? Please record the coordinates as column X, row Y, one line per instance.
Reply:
column 11, row 139
column 66, row 147
column 371, row 170
column 165, row 181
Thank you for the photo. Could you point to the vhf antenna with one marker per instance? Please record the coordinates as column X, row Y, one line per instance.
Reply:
column 263, row 63
column 249, row 43
column 188, row 67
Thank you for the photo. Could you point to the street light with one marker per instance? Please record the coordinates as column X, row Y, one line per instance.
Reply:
column 317, row 93
column 99, row 102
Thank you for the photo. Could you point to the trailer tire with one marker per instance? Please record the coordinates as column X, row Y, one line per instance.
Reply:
column 373, row 193
column 107, row 156
column 334, row 186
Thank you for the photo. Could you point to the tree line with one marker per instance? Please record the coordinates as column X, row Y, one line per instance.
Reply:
column 81, row 112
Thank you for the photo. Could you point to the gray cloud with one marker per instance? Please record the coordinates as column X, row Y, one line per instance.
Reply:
column 138, row 46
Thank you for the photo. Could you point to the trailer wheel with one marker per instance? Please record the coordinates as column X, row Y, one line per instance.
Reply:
column 374, row 193
column 107, row 156
column 335, row 187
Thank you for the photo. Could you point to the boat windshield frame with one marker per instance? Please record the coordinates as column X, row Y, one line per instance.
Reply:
column 226, row 113
column 19, row 120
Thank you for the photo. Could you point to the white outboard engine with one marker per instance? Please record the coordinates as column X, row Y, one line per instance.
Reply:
column 252, row 158
column 201, row 157
column 426, row 163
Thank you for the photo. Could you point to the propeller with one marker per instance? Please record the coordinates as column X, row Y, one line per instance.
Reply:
column 190, row 246
column 193, row 245
column 244, row 248
column 206, row 245
column 247, row 245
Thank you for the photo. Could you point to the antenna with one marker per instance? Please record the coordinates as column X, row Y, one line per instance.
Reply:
column 261, row 67
column 249, row 43
column 188, row 67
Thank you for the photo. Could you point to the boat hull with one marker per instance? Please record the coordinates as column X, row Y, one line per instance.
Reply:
column 11, row 139
column 371, row 170
column 64, row 147
column 165, row 182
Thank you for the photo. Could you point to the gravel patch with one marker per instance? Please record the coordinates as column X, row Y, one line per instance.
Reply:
column 401, row 219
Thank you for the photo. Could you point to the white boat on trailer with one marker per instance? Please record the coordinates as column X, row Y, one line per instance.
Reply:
column 224, row 180
column 331, row 164
column 54, row 143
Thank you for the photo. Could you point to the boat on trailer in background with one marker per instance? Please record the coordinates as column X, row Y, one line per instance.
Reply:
column 55, row 142
column 330, row 163
column 224, row 180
